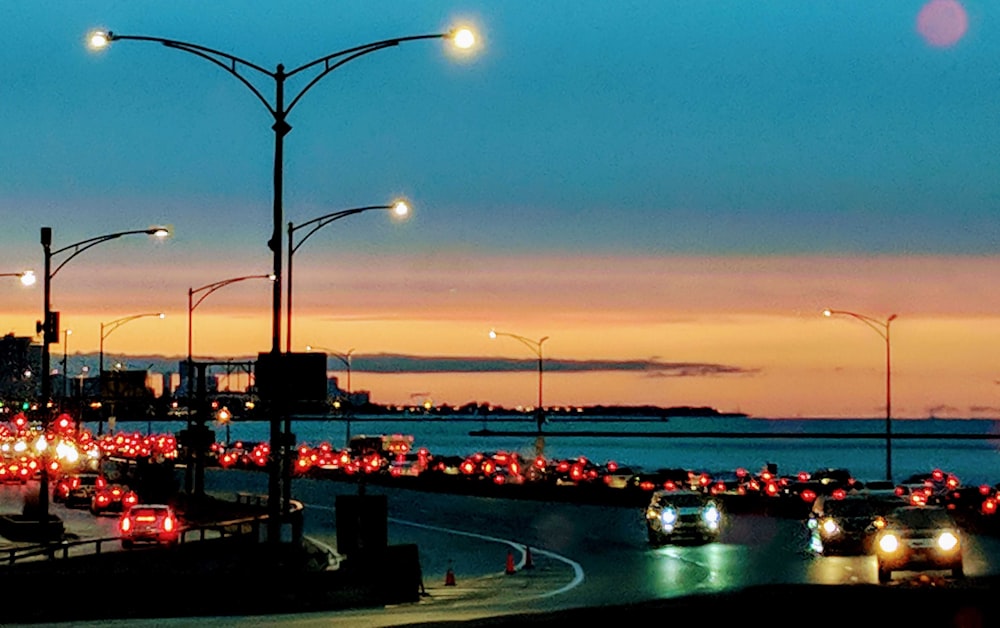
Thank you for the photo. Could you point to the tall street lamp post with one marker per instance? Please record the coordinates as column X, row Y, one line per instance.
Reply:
column 346, row 359
column 462, row 38
column 106, row 329
column 882, row 329
column 399, row 209
column 204, row 291
column 536, row 347
column 49, row 325
column 194, row 471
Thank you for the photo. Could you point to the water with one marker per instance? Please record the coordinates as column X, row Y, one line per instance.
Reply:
column 628, row 442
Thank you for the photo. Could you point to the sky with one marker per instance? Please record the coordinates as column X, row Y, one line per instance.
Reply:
column 669, row 192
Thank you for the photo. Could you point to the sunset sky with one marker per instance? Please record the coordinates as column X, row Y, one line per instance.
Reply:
column 670, row 192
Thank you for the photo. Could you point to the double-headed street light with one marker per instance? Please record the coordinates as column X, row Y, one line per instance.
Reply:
column 882, row 329
column 239, row 68
column 400, row 209
column 106, row 329
column 536, row 347
column 49, row 325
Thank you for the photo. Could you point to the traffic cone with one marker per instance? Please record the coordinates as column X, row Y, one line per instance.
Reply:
column 510, row 562
column 449, row 578
column 527, row 558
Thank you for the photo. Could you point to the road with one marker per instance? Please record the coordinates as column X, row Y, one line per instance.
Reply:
column 581, row 556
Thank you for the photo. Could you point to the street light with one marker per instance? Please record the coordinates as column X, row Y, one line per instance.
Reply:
column 206, row 290
column 536, row 347
column 882, row 329
column 346, row 359
column 106, row 329
column 49, row 325
column 462, row 38
column 27, row 277
column 399, row 209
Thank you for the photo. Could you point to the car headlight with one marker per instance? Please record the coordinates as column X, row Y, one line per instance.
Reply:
column 830, row 526
column 888, row 543
column 668, row 516
column 711, row 515
column 947, row 541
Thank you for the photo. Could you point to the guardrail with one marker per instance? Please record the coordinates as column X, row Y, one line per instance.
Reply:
column 244, row 527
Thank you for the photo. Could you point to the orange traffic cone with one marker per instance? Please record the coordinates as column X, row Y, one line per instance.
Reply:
column 527, row 558
column 449, row 578
column 510, row 562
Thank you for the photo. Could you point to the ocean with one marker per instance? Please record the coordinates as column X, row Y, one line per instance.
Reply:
column 969, row 448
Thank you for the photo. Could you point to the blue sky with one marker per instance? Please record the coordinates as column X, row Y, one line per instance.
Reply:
column 708, row 127
column 665, row 182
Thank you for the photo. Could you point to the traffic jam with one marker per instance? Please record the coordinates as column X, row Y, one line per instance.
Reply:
column 911, row 525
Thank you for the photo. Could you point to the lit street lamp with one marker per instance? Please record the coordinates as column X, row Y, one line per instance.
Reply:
column 106, row 329
column 882, row 329
column 49, row 325
column 399, row 209
column 27, row 277
column 463, row 39
column 536, row 347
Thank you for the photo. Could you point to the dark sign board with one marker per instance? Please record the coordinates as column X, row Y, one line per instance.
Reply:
column 291, row 377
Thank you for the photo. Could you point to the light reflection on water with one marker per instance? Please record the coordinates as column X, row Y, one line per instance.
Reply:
column 974, row 461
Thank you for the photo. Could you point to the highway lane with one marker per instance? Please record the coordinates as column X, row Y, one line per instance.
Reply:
column 583, row 555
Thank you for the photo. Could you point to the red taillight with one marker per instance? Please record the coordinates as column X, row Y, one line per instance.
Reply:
column 168, row 524
column 900, row 491
column 646, row 485
column 808, row 495
column 839, row 493
column 771, row 488
column 126, row 524
column 989, row 506
column 101, row 483
column 499, row 479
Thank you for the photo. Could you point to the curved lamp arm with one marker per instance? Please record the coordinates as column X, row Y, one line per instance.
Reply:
column 115, row 324
column 881, row 327
column 83, row 245
column 535, row 346
column 231, row 63
column 212, row 287
column 399, row 207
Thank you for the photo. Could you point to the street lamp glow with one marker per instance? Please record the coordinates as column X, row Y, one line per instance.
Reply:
column 28, row 278
column 464, row 38
column 159, row 232
column 400, row 209
column 98, row 39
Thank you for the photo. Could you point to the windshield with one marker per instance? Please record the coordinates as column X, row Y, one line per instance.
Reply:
column 412, row 285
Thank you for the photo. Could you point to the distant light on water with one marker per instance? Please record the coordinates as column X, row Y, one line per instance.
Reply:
column 942, row 22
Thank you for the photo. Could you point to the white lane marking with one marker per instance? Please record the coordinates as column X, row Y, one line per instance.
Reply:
column 577, row 568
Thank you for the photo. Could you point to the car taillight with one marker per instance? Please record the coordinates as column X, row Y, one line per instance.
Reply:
column 101, row 483
column 145, row 518
column 168, row 524
column 126, row 524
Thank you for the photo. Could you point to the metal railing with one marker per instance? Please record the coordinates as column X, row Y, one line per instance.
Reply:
column 244, row 527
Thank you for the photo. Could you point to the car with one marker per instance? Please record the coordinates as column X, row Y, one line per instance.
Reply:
column 149, row 523
column 113, row 498
column 682, row 516
column 919, row 538
column 76, row 490
column 847, row 525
